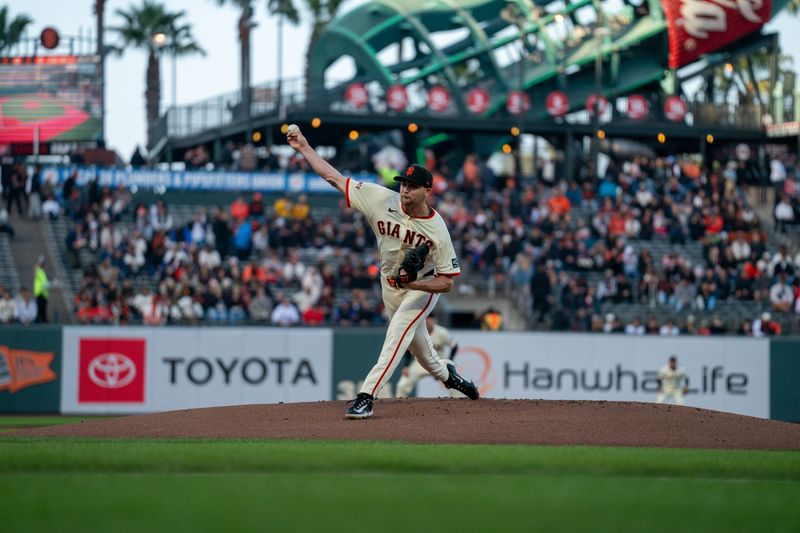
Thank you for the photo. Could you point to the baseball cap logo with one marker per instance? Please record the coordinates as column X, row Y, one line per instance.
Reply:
column 111, row 370
column 409, row 171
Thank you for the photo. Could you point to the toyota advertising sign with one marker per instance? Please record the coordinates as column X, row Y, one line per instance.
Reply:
column 139, row 370
column 725, row 374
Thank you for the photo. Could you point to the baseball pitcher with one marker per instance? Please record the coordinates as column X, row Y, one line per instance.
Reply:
column 418, row 262
column 669, row 382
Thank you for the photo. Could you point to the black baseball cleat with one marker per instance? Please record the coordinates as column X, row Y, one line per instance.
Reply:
column 361, row 407
column 456, row 382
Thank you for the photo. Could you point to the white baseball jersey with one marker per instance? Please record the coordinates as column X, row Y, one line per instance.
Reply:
column 397, row 232
column 671, row 379
column 442, row 340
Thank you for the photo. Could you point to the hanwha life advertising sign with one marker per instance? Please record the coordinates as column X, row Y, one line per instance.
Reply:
column 730, row 374
column 139, row 370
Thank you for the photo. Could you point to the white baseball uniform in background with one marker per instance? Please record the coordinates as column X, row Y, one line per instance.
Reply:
column 443, row 342
column 397, row 232
column 671, row 384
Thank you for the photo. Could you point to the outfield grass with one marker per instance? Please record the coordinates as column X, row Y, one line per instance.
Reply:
column 179, row 485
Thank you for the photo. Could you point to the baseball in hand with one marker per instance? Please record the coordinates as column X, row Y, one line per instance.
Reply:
column 293, row 128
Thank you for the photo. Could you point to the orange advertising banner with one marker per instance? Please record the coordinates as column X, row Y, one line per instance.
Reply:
column 24, row 368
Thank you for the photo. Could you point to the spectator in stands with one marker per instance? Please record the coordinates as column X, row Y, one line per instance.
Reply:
column 669, row 329
column 160, row 218
column 301, row 209
column 8, row 308
column 34, row 188
column 777, row 175
column 558, row 203
column 718, row 326
column 256, row 207
column 16, row 188
column 50, row 207
column 5, row 225
column 260, row 306
column 240, row 210
column 651, row 326
column 26, row 307
column 635, row 327
column 745, row 328
column 285, row 313
column 781, row 263
column 243, row 239
column 781, row 295
column 764, row 326
column 282, row 207
column 784, row 213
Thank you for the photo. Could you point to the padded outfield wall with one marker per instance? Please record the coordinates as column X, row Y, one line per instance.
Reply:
column 108, row 370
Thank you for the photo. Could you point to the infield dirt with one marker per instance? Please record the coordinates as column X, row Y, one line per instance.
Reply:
column 449, row 421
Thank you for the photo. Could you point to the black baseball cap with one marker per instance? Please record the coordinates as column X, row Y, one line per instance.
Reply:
column 417, row 174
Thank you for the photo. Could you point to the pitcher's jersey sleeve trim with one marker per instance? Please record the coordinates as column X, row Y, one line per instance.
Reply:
column 347, row 192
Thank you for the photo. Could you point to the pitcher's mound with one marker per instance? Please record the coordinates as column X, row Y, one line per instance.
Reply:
column 458, row 422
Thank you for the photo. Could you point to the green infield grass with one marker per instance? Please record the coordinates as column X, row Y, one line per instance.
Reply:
column 13, row 422
column 203, row 485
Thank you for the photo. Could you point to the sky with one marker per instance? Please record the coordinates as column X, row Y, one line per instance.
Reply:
column 202, row 77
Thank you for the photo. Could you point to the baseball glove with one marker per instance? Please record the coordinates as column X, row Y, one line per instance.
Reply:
column 413, row 262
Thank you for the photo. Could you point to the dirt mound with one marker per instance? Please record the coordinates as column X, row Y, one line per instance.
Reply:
column 457, row 422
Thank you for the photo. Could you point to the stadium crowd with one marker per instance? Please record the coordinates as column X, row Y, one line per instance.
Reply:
column 569, row 246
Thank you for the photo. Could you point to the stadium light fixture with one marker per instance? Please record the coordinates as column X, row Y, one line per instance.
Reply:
column 284, row 129
column 559, row 18
column 412, row 127
column 353, row 135
column 159, row 39
column 515, row 131
column 316, row 122
column 601, row 134
column 710, row 139
column 507, row 148
column 661, row 138
column 728, row 67
column 256, row 136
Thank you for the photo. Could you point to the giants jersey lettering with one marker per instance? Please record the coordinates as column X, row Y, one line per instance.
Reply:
column 398, row 232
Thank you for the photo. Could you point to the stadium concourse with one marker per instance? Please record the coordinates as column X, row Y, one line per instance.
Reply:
column 657, row 246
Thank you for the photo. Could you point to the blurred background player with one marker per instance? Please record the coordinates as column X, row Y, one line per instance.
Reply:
column 445, row 346
column 669, row 382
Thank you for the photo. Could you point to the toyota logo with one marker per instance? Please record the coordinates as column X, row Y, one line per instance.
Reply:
column 111, row 370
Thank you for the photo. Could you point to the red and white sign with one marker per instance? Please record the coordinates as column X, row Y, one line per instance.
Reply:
column 356, row 95
column 111, row 370
column 557, row 103
column 697, row 27
column 602, row 104
column 438, row 98
column 518, row 102
column 638, row 106
column 478, row 100
column 674, row 108
column 396, row 98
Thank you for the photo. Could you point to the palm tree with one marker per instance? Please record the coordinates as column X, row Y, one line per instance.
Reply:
column 11, row 30
column 140, row 25
column 244, row 25
column 793, row 7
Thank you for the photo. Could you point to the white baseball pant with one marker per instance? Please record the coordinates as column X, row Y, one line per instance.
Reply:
column 676, row 394
column 406, row 331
